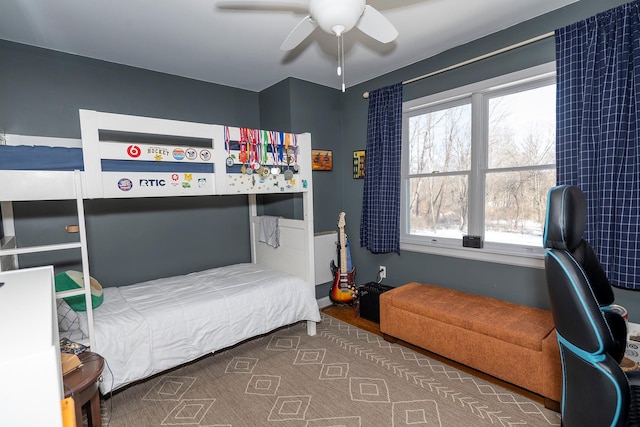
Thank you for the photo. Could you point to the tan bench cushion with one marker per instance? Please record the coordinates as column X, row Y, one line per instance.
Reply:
column 509, row 322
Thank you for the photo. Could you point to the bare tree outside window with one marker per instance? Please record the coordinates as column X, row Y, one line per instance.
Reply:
column 439, row 163
column 516, row 147
column 521, row 158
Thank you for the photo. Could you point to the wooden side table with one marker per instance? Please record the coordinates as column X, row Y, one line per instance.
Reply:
column 82, row 384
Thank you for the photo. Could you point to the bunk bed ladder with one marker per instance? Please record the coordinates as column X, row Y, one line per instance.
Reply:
column 8, row 241
column 9, row 252
column 84, row 251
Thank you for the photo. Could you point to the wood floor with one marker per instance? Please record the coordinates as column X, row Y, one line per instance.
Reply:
column 347, row 314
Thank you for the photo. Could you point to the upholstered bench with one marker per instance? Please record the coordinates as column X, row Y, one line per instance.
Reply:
column 509, row 341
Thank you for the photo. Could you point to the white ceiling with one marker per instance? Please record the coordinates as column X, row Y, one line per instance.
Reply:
column 241, row 48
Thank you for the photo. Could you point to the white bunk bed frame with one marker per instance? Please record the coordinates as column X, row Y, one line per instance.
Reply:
column 94, row 183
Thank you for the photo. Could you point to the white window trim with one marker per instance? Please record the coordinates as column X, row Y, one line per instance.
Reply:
column 524, row 256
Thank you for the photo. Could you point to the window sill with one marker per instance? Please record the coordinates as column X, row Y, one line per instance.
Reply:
column 527, row 258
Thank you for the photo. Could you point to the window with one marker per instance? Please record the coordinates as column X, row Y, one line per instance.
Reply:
column 479, row 160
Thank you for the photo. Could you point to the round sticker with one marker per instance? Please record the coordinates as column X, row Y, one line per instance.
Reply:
column 125, row 184
column 134, row 151
column 178, row 153
column 191, row 154
column 205, row 155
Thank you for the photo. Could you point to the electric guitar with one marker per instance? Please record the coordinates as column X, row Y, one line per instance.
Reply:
column 343, row 290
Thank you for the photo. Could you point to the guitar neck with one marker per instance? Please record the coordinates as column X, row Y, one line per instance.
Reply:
column 343, row 251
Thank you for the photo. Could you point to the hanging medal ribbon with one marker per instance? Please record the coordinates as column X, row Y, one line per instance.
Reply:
column 264, row 145
column 280, row 147
column 256, row 148
column 273, row 137
column 243, row 146
column 296, row 167
column 227, row 142
column 252, row 151
column 287, row 142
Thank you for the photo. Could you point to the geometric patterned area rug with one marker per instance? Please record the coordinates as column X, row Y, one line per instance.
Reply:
column 343, row 376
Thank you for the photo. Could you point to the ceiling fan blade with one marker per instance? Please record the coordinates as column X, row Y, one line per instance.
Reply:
column 286, row 6
column 376, row 25
column 300, row 32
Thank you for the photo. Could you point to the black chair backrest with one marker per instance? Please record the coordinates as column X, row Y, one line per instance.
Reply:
column 592, row 338
column 577, row 315
column 564, row 228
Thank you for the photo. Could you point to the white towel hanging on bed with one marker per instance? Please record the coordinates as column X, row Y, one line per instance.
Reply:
column 270, row 230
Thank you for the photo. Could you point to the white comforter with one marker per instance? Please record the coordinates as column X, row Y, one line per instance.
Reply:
column 149, row 327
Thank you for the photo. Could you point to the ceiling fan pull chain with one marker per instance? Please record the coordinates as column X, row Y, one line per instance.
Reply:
column 342, row 53
column 339, row 60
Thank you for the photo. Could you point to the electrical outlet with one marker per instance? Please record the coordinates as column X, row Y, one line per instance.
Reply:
column 382, row 272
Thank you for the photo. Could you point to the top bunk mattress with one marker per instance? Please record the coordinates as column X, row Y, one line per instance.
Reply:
column 149, row 327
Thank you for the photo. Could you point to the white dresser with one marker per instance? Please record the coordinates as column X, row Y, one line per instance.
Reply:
column 30, row 371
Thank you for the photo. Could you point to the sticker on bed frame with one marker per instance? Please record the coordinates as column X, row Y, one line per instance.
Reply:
column 178, row 153
column 134, row 151
column 125, row 184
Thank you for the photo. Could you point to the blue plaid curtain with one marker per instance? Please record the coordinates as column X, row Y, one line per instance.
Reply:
column 380, row 222
column 598, row 144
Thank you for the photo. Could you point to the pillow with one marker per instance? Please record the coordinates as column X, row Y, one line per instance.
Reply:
column 67, row 318
column 70, row 280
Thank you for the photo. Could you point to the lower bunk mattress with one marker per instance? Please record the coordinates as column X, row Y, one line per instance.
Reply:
column 153, row 326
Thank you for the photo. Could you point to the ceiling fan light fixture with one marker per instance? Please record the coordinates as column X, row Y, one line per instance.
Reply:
column 336, row 16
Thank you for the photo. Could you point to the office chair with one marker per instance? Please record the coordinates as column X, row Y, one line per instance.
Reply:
column 595, row 390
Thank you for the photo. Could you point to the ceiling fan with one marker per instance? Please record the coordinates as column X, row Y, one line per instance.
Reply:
column 335, row 17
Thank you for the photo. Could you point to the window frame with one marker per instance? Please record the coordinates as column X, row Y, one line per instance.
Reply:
column 479, row 94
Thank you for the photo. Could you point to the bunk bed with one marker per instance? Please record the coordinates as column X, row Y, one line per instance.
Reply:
column 129, row 156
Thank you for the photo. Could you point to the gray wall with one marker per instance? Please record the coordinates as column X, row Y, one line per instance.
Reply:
column 301, row 106
column 298, row 106
column 517, row 284
column 41, row 91
column 132, row 240
column 129, row 240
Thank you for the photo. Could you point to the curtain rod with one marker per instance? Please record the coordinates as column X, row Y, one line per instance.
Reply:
column 476, row 59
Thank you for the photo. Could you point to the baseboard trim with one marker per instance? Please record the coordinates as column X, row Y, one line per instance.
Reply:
column 324, row 302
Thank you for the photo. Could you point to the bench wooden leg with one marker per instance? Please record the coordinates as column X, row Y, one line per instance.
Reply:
column 552, row 404
column 389, row 338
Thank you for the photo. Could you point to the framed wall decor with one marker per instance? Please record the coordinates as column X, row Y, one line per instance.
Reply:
column 321, row 160
column 358, row 164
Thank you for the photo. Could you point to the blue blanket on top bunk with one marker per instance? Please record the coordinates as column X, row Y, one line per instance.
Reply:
column 27, row 157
